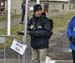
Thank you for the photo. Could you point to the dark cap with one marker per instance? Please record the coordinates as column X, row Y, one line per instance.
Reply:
column 37, row 7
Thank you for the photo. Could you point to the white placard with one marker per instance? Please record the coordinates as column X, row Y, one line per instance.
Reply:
column 18, row 47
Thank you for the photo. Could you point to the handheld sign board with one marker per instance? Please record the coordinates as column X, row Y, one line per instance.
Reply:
column 18, row 47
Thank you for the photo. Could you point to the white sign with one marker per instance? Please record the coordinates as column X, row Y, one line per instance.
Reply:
column 18, row 47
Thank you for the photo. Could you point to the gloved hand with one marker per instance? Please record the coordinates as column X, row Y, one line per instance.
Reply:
column 72, row 39
column 31, row 32
column 51, row 33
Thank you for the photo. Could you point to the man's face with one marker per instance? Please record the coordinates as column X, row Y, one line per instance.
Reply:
column 38, row 13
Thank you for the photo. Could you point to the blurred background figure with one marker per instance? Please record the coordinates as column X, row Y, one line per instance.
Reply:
column 23, row 12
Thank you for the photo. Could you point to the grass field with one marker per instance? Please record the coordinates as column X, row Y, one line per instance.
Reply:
column 60, row 23
column 4, row 18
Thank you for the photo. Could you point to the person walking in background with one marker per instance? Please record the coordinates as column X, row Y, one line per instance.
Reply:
column 23, row 12
column 39, row 28
column 71, row 36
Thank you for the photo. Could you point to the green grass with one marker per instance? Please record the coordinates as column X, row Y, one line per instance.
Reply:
column 14, row 30
column 61, row 22
column 4, row 18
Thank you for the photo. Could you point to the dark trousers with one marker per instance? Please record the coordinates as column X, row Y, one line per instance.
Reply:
column 73, row 55
column 23, row 14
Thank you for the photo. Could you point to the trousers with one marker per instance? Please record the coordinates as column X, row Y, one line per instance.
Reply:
column 38, row 55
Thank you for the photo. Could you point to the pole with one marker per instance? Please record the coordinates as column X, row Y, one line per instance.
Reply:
column 4, row 53
column 9, row 17
column 38, row 2
column 25, row 27
column 25, row 22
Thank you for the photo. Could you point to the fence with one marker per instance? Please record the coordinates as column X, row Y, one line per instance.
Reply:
column 7, row 55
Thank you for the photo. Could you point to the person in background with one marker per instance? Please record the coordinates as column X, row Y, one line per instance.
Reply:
column 39, row 28
column 23, row 12
column 71, row 36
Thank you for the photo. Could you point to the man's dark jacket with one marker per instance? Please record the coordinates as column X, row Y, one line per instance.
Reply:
column 40, row 29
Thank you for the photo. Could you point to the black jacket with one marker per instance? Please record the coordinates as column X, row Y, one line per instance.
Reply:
column 39, row 31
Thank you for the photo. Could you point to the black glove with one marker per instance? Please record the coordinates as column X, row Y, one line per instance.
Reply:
column 51, row 33
column 31, row 32
column 72, row 39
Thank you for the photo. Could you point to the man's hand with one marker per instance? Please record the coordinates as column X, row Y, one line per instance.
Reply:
column 72, row 39
column 31, row 32
column 22, row 32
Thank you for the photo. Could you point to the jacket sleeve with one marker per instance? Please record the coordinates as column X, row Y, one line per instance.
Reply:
column 29, row 24
column 45, row 32
column 70, row 28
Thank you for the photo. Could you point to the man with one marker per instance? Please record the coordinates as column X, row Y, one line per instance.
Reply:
column 71, row 36
column 40, row 29
column 23, row 12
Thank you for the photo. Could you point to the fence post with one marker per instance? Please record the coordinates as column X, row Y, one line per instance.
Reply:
column 38, row 2
column 25, row 28
column 9, row 18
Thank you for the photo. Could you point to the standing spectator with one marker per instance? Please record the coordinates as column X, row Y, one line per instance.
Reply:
column 40, row 32
column 23, row 12
column 71, row 36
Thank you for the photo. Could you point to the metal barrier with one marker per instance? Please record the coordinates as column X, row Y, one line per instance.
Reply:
column 7, row 55
column 4, row 13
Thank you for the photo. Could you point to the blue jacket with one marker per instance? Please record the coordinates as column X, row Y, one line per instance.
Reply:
column 39, row 32
column 71, row 31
